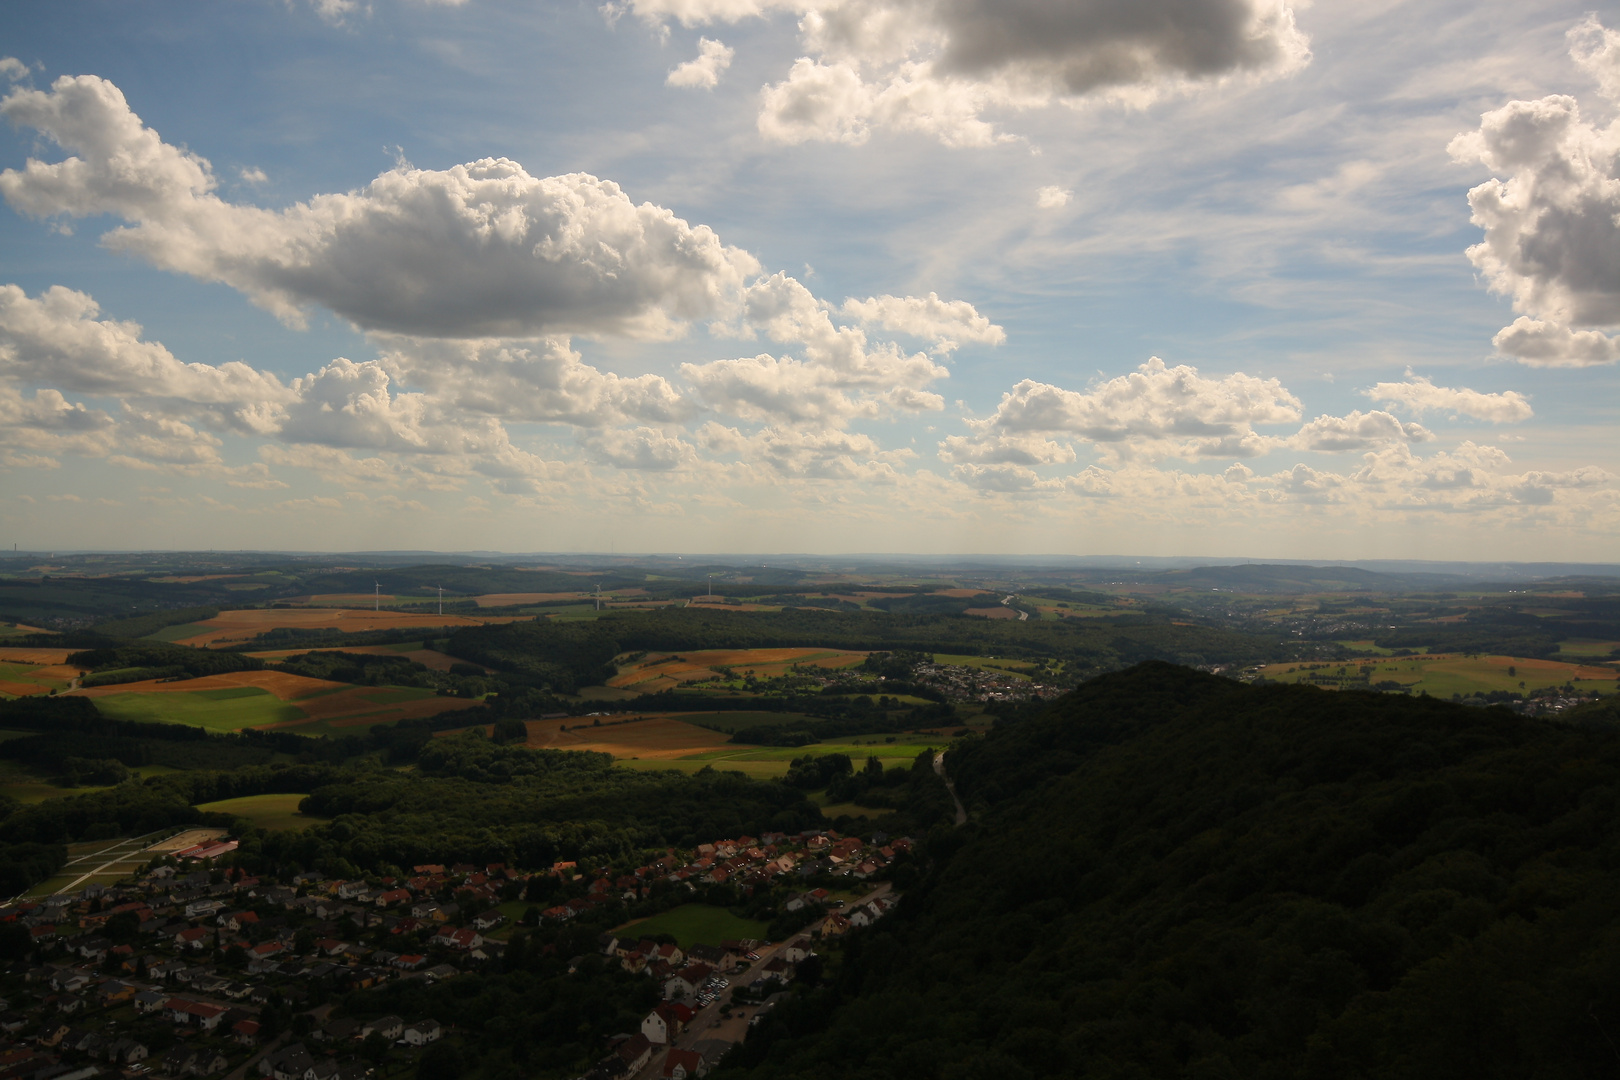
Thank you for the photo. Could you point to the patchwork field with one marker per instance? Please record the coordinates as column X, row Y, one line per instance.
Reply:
column 665, row 671
column 671, row 741
column 265, row 811
column 269, row 699
column 698, row 924
column 1445, row 674
column 234, row 627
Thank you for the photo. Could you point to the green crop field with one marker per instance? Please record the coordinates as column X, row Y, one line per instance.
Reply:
column 698, row 924
column 246, row 706
column 265, row 811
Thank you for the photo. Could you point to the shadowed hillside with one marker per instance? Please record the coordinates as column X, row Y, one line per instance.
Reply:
column 1171, row 875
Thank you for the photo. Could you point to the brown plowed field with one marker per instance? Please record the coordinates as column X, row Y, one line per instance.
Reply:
column 997, row 612
column 961, row 594
column 22, row 689
column 244, row 625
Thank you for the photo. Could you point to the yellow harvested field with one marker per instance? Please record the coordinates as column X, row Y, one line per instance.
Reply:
column 35, row 656
column 230, row 627
column 283, row 685
column 189, row 838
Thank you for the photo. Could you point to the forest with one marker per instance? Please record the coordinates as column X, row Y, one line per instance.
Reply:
column 1173, row 875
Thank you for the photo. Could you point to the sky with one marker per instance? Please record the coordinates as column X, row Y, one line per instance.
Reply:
column 1246, row 278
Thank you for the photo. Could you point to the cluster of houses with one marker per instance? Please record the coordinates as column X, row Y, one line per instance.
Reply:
column 747, row 863
column 961, row 683
column 203, row 952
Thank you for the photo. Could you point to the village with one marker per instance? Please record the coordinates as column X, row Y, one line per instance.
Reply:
column 196, row 969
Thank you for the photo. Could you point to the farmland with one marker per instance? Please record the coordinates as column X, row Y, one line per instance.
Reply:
column 665, row 671
column 1448, row 674
column 265, row 699
column 239, row 626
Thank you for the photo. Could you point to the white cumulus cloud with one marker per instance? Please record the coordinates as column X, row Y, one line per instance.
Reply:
column 1156, row 411
column 1419, row 395
column 1552, row 228
column 1052, row 197
column 703, row 71
column 479, row 250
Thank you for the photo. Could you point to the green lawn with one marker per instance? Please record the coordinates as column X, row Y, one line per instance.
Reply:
column 246, row 706
column 265, row 811
column 698, row 924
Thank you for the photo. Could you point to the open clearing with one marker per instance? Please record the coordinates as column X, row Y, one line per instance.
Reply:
column 1444, row 674
column 265, row 811
column 664, row 671
column 234, row 627
column 698, row 924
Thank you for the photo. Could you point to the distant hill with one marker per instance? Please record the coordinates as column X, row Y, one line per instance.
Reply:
column 1172, row 875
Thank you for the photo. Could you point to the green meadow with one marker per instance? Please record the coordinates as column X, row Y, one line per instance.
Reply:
column 698, row 924
column 265, row 811
column 230, row 709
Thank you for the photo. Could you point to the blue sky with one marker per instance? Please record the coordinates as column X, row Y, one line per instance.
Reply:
column 1196, row 277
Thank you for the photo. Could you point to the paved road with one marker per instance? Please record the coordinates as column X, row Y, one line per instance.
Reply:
column 939, row 767
column 1023, row 616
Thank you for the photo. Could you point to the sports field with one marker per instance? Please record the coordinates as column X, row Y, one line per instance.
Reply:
column 1444, row 674
column 265, row 811
column 698, row 924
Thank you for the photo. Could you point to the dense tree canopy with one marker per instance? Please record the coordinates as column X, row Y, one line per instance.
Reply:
column 1172, row 875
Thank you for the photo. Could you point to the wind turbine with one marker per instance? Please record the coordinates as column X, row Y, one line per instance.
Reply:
column 376, row 604
column 599, row 598
column 441, row 599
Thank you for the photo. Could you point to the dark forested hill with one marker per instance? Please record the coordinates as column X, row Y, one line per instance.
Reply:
column 1171, row 875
